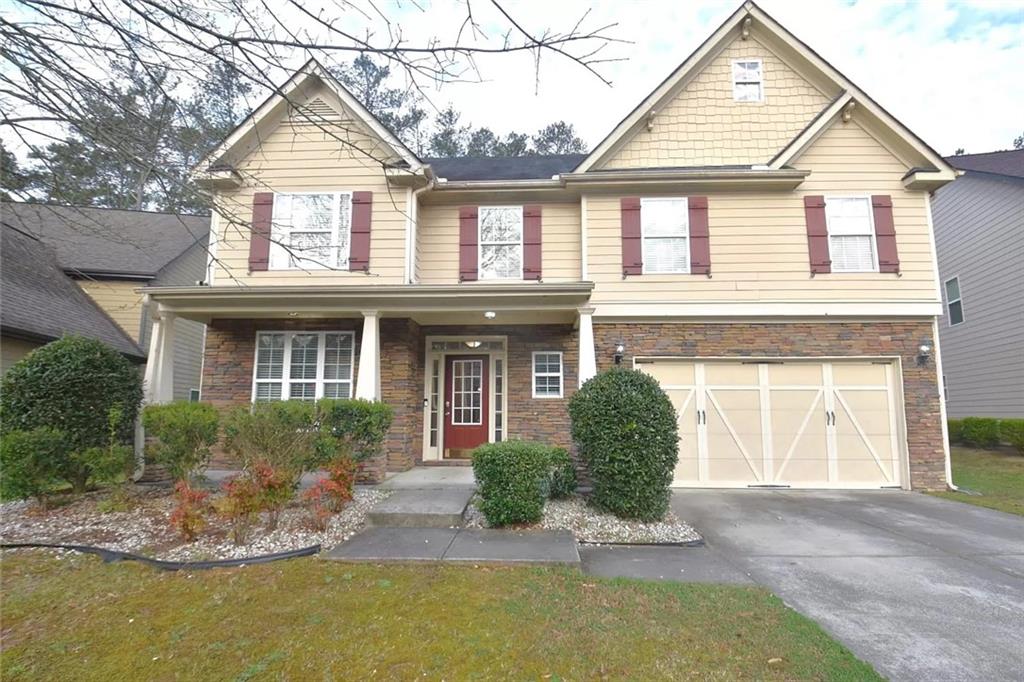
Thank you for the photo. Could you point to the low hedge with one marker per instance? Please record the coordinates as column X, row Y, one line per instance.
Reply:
column 1012, row 431
column 981, row 432
column 514, row 478
column 955, row 429
column 359, row 426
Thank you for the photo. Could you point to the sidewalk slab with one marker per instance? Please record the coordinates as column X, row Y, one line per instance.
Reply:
column 395, row 544
column 411, row 508
column 675, row 564
column 514, row 547
column 430, row 478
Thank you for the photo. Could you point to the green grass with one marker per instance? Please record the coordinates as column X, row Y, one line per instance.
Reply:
column 998, row 475
column 77, row 618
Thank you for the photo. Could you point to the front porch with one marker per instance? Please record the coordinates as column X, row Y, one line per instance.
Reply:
column 459, row 366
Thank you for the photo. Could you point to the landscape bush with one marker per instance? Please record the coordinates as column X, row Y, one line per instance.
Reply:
column 563, row 474
column 513, row 479
column 626, row 430
column 74, row 385
column 31, row 463
column 329, row 495
column 241, row 505
column 1012, row 431
column 282, row 434
column 189, row 515
column 981, row 432
column 955, row 429
column 275, row 490
column 358, row 426
column 184, row 432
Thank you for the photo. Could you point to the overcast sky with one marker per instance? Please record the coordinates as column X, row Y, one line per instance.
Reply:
column 951, row 71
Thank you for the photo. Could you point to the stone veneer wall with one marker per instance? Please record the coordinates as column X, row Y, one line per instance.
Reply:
column 807, row 339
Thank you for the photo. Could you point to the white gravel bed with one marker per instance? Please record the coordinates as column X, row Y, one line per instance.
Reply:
column 145, row 530
column 593, row 526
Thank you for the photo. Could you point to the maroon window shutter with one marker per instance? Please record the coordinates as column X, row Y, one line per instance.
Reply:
column 700, row 246
column 259, row 239
column 885, row 233
column 532, row 242
column 632, row 247
column 817, row 234
column 468, row 244
column 359, row 239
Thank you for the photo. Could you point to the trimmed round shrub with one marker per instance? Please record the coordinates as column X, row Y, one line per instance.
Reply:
column 981, row 432
column 627, row 433
column 359, row 426
column 1012, row 432
column 512, row 479
column 184, row 432
column 73, row 385
column 955, row 429
column 563, row 474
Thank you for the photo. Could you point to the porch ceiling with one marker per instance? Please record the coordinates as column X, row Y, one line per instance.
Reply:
column 512, row 303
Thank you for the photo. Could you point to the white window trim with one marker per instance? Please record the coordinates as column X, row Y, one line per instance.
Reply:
column 643, row 236
column 872, row 237
column 732, row 76
column 560, row 373
column 480, row 242
column 279, row 253
column 945, row 295
column 285, row 381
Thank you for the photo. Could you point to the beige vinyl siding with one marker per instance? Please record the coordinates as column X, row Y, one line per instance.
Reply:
column 438, row 242
column 13, row 350
column 301, row 156
column 703, row 126
column 120, row 300
column 759, row 240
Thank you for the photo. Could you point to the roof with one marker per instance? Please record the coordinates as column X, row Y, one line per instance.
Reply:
column 504, row 167
column 106, row 241
column 38, row 301
column 1006, row 162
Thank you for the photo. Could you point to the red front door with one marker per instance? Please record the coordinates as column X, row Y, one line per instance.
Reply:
column 465, row 404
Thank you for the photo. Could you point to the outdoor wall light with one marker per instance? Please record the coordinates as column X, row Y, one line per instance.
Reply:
column 923, row 352
column 472, row 344
column 620, row 350
column 490, row 315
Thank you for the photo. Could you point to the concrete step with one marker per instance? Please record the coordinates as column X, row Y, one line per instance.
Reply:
column 411, row 508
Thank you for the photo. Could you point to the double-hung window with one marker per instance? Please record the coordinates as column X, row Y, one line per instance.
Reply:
column 311, row 230
column 665, row 225
column 501, row 242
column 851, row 234
column 747, row 80
column 303, row 365
column 954, row 301
column 547, row 374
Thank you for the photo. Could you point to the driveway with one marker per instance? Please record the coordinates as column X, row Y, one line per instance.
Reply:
column 920, row 587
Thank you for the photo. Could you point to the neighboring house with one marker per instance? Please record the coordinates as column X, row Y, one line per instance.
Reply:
column 110, row 254
column 979, row 236
column 755, row 234
column 38, row 303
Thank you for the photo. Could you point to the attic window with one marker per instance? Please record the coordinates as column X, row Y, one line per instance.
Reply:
column 747, row 80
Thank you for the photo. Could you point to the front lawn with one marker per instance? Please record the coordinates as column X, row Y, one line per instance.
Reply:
column 76, row 618
column 997, row 475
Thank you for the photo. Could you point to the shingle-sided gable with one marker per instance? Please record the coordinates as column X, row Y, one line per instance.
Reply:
column 702, row 125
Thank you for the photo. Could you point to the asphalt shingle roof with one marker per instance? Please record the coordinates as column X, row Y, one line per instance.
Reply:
column 38, row 300
column 103, row 240
column 1008, row 162
column 504, row 167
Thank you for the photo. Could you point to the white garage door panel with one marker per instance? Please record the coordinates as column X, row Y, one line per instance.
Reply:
column 796, row 423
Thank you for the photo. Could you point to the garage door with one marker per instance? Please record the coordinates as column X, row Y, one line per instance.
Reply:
column 791, row 423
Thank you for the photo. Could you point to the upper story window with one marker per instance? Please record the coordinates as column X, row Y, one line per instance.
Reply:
column 311, row 230
column 747, row 80
column 954, row 302
column 851, row 234
column 303, row 365
column 501, row 242
column 665, row 226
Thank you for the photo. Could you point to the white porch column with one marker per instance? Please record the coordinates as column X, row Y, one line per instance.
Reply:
column 588, row 357
column 368, row 379
column 152, row 377
column 160, row 362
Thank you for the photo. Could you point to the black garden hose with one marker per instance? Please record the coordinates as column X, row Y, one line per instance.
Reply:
column 112, row 555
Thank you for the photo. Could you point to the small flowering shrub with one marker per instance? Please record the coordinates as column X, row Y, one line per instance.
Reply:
column 276, row 490
column 189, row 515
column 330, row 495
column 241, row 504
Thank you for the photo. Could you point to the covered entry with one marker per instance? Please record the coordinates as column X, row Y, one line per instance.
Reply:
column 793, row 422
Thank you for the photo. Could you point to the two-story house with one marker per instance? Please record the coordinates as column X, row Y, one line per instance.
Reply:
column 755, row 234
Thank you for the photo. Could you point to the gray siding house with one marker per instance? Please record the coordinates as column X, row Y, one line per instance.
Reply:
column 979, row 239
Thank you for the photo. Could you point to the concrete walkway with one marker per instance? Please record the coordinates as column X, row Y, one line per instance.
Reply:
column 922, row 588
